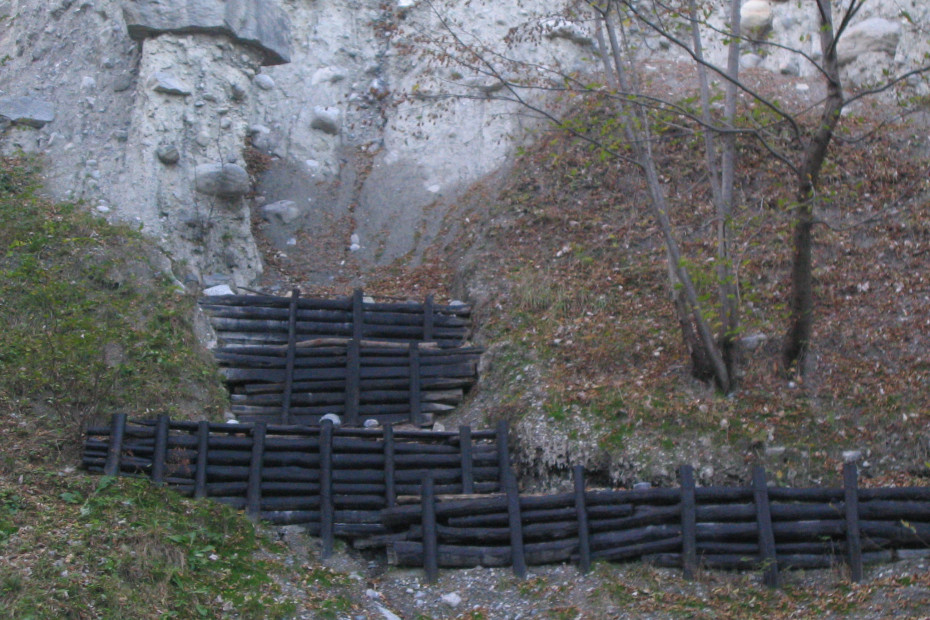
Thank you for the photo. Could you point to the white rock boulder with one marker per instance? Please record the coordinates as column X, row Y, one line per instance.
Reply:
column 756, row 16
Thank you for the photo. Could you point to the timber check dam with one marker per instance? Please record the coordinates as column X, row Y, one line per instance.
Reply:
column 335, row 400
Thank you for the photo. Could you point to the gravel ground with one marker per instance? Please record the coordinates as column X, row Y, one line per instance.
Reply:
column 365, row 588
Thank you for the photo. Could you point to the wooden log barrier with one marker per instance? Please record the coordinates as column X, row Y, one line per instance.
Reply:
column 370, row 486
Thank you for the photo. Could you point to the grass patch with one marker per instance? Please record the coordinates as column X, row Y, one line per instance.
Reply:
column 92, row 326
column 119, row 548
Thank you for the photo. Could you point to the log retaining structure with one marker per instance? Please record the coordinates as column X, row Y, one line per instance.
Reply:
column 333, row 481
column 759, row 527
column 291, row 360
column 449, row 499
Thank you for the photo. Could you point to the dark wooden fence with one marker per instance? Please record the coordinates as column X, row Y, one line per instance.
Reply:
column 389, row 362
column 266, row 319
column 334, row 481
column 450, row 499
column 753, row 528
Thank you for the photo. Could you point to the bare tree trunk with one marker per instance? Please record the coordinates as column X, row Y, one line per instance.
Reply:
column 696, row 332
column 801, row 302
column 722, row 180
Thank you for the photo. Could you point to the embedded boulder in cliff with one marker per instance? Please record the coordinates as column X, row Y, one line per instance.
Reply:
column 872, row 35
column 222, row 180
column 257, row 23
column 27, row 111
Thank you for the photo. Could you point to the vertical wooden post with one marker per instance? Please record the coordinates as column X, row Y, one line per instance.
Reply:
column 291, row 354
column 354, row 361
column 764, row 525
column 358, row 314
column 200, row 479
column 429, row 309
column 581, row 513
column 430, row 539
column 851, row 500
column 326, row 487
column 390, row 493
column 509, row 486
column 468, row 476
column 414, row 384
column 115, row 449
column 160, row 455
column 253, row 500
column 688, row 522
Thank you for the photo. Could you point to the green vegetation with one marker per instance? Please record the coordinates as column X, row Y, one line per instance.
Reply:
column 119, row 548
column 91, row 327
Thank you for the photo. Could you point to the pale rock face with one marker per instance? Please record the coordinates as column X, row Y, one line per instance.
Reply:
column 359, row 123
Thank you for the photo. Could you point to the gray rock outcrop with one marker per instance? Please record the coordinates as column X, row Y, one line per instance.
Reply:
column 283, row 211
column 27, row 111
column 164, row 82
column 257, row 23
column 872, row 35
column 222, row 180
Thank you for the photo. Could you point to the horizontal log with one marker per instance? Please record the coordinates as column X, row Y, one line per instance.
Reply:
column 303, row 431
column 410, row 553
column 234, row 473
column 341, row 445
column 746, row 563
column 229, row 338
column 331, row 316
column 272, row 301
column 241, row 375
column 339, row 346
column 305, row 358
column 430, row 383
column 339, row 397
column 312, row 459
column 828, row 547
column 391, row 413
column 382, row 330
column 539, row 516
column 637, row 550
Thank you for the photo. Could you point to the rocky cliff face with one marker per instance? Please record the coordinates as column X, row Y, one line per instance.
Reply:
column 157, row 111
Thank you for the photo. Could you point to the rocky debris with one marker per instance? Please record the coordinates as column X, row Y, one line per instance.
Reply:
column 570, row 31
column 326, row 119
column 237, row 92
column 27, row 111
column 164, row 82
column 452, row 599
column 222, row 180
column 872, row 35
column 264, row 81
column 122, row 82
column 168, row 154
column 220, row 289
column 851, row 456
column 756, row 16
column 282, row 212
column 330, row 75
column 260, row 24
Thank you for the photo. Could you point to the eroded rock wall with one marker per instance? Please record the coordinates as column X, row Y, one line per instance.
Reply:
column 143, row 109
